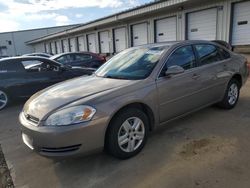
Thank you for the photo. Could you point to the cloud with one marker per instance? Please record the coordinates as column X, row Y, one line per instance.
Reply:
column 78, row 15
column 62, row 20
column 9, row 25
column 17, row 13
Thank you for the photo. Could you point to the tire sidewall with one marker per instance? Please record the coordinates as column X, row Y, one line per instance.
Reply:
column 226, row 102
column 120, row 118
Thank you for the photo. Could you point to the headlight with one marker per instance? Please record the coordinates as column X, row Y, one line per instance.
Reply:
column 71, row 115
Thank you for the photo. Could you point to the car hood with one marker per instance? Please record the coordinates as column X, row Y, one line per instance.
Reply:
column 59, row 95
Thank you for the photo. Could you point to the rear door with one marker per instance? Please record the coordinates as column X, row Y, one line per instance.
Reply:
column 179, row 94
column 13, row 78
column 212, row 66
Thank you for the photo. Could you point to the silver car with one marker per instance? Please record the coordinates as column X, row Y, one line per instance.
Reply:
column 137, row 90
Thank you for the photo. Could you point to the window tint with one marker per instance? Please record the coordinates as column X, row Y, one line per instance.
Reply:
column 224, row 53
column 38, row 66
column 207, row 54
column 82, row 57
column 183, row 57
column 63, row 59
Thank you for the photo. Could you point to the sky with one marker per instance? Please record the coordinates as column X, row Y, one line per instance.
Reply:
column 30, row 14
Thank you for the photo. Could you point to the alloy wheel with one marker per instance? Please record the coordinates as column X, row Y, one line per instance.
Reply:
column 233, row 93
column 131, row 134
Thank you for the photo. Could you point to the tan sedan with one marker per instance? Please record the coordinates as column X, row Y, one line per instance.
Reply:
column 134, row 92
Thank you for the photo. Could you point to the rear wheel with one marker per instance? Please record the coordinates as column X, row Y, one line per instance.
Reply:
column 4, row 100
column 231, row 96
column 127, row 133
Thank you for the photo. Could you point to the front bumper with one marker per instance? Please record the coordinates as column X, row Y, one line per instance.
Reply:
column 64, row 140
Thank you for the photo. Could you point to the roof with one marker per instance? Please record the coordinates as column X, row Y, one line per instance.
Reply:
column 143, row 9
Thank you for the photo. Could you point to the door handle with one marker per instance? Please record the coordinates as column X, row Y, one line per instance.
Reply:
column 195, row 76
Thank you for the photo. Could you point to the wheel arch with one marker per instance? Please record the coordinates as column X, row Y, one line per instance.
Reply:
column 237, row 77
column 139, row 105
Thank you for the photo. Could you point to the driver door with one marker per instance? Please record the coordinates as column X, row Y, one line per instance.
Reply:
column 179, row 94
column 40, row 76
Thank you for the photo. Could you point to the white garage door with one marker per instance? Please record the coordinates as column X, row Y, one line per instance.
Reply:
column 120, row 39
column 73, row 47
column 65, row 44
column 139, row 34
column 241, row 24
column 81, row 44
column 202, row 25
column 91, row 43
column 165, row 29
column 59, row 46
column 104, row 41
column 53, row 47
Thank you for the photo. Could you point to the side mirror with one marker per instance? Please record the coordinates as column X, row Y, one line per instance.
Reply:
column 173, row 70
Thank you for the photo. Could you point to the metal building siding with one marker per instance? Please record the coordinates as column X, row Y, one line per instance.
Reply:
column 120, row 39
column 166, row 29
column 92, row 43
column 65, row 44
column 47, row 46
column 104, row 42
column 202, row 25
column 139, row 34
column 81, row 43
column 241, row 24
column 53, row 47
column 59, row 46
column 73, row 47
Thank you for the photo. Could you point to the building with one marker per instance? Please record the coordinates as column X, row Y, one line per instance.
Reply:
column 159, row 21
column 14, row 43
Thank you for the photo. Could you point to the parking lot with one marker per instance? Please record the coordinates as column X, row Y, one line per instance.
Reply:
column 209, row 148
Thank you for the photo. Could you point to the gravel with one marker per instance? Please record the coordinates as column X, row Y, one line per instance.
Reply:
column 5, row 178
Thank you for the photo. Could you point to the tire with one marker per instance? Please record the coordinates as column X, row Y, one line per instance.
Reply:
column 231, row 96
column 131, row 127
column 4, row 99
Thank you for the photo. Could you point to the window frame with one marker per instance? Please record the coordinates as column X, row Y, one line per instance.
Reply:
column 171, row 53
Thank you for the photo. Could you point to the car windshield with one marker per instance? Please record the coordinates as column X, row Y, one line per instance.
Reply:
column 132, row 64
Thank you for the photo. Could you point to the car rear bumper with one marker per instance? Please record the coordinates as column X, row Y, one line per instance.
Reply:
column 65, row 140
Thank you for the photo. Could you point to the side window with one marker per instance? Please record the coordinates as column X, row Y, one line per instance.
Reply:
column 14, row 66
column 207, row 53
column 63, row 59
column 224, row 53
column 83, row 57
column 38, row 66
column 183, row 57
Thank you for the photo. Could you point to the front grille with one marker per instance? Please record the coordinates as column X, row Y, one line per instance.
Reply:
column 31, row 118
column 61, row 149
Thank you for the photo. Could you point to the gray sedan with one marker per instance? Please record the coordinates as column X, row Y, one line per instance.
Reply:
column 137, row 90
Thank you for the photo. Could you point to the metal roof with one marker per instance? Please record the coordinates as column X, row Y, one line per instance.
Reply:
column 143, row 9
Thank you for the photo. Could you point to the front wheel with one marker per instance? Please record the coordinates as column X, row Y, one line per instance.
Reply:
column 127, row 133
column 231, row 96
column 4, row 100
